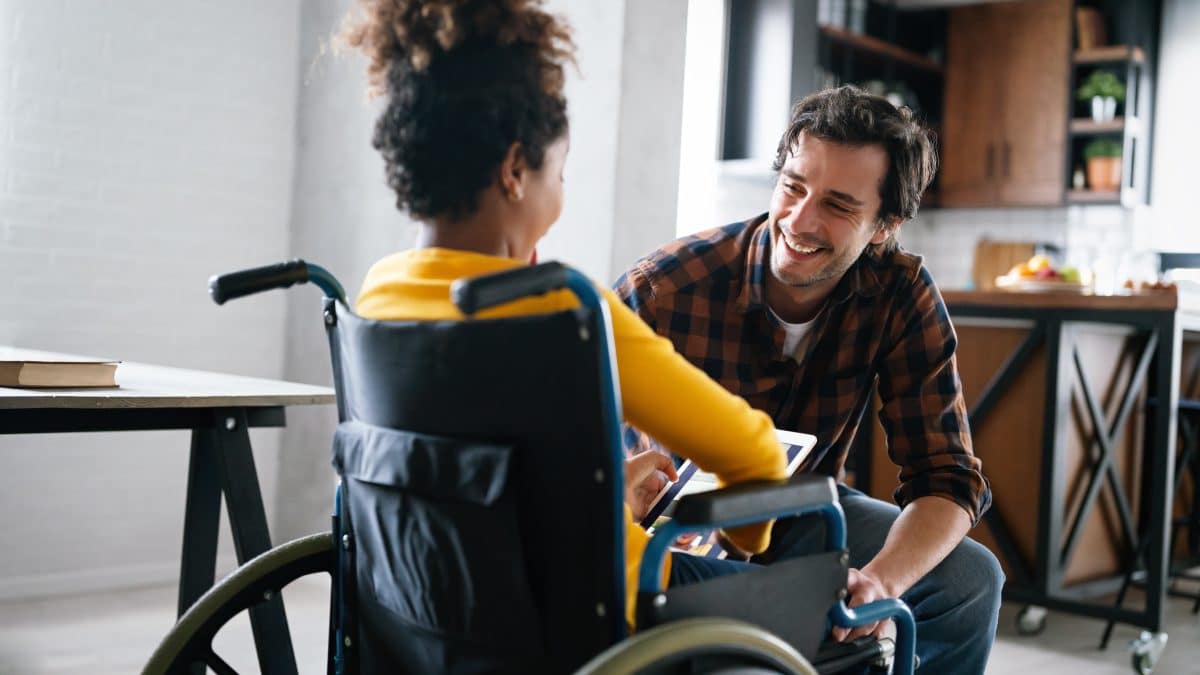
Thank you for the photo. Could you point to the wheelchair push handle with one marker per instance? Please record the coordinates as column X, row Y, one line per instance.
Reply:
column 238, row 284
column 479, row 293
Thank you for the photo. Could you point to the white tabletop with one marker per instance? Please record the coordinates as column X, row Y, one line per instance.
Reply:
column 148, row 386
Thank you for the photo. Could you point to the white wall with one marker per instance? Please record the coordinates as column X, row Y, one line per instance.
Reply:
column 621, row 177
column 343, row 217
column 143, row 147
column 649, row 130
column 1171, row 220
column 625, row 105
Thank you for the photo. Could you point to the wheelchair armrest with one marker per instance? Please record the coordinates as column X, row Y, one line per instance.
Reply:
column 753, row 502
column 479, row 293
column 743, row 504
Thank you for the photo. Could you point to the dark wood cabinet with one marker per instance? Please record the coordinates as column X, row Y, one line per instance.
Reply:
column 1004, row 123
column 971, row 114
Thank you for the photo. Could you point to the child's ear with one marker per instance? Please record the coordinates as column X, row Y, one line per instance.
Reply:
column 512, row 173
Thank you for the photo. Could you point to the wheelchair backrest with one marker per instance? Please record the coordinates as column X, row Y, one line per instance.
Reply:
column 478, row 492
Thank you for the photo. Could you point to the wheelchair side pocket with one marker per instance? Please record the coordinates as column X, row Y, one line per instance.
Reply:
column 441, row 580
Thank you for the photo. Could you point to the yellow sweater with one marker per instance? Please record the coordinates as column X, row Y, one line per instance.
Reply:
column 661, row 393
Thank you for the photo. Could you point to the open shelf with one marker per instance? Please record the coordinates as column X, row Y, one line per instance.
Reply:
column 1110, row 54
column 1085, row 126
column 874, row 47
column 1093, row 196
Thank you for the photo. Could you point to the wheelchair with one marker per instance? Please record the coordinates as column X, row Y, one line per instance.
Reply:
column 478, row 526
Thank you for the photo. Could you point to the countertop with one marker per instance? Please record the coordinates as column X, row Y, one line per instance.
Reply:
column 1144, row 301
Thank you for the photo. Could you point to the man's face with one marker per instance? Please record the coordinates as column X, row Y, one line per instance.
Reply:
column 823, row 213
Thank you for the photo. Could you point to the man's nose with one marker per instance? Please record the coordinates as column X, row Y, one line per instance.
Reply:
column 799, row 217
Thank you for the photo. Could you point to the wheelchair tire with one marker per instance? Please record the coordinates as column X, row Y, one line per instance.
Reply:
column 190, row 640
column 667, row 645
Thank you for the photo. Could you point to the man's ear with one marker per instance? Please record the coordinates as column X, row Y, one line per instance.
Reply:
column 886, row 229
column 512, row 173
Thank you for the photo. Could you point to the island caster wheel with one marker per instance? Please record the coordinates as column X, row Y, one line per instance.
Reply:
column 1146, row 650
column 1031, row 620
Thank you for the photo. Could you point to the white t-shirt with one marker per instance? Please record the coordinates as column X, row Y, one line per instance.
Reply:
column 797, row 335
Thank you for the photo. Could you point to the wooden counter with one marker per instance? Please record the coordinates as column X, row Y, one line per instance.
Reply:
column 1149, row 301
column 1056, row 385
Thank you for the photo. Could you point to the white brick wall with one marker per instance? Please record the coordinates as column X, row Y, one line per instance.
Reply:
column 144, row 145
column 947, row 237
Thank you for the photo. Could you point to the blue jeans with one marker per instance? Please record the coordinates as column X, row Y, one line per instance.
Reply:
column 956, row 605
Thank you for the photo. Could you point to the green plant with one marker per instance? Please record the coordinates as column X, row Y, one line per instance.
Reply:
column 1101, row 83
column 1102, row 147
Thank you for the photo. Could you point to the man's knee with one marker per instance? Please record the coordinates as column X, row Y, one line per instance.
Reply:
column 975, row 573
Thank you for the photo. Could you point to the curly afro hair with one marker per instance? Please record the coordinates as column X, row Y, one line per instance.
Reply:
column 464, row 79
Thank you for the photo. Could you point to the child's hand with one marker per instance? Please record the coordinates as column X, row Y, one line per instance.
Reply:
column 644, row 478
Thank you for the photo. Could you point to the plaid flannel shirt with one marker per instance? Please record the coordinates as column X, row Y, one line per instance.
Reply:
column 884, row 325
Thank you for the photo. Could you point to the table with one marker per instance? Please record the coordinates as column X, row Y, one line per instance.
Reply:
column 1157, row 321
column 219, row 410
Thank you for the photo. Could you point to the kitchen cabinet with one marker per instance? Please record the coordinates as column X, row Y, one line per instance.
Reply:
column 1004, row 121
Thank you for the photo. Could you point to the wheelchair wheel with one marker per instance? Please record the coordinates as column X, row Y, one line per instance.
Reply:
column 737, row 646
column 190, row 641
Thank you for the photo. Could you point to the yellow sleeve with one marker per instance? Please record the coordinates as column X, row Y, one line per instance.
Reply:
column 691, row 415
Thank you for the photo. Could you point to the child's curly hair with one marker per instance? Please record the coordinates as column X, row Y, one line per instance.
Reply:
column 465, row 79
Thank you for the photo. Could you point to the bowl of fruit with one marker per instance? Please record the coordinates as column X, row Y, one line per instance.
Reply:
column 1039, row 274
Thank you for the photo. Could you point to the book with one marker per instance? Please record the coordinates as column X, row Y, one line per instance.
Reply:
column 64, row 373
column 796, row 446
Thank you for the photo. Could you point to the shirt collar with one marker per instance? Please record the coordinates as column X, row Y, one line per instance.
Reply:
column 861, row 279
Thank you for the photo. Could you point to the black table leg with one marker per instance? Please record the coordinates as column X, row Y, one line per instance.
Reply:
column 221, row 462
column 248, row 524
column 201, row 519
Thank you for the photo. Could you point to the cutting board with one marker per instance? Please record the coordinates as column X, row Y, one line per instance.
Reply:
column 995, row 258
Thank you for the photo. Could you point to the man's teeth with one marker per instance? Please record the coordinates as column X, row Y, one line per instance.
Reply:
column 800, row 249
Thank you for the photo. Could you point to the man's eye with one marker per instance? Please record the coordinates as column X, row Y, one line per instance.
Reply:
column 838, row 207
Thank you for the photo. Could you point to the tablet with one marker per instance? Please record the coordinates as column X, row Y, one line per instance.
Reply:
column 798, row 447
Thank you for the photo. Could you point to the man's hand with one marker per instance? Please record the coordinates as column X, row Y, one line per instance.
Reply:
column 644, row 478
column 864, row 588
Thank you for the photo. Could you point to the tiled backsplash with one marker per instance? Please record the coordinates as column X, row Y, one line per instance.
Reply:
column 1095, row 237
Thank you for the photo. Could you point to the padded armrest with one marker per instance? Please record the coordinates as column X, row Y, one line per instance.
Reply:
column 756, row 501
column 476, row 294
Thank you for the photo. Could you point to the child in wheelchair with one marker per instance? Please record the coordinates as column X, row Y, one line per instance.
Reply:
column 474, row 135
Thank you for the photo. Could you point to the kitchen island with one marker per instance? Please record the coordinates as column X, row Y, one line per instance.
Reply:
column 1072, row 404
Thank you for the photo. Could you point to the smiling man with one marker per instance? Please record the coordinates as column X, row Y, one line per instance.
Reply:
column 808, row 308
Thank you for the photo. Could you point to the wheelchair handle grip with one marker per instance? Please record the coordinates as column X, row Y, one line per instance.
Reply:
column 248, row 282
column 479, row 293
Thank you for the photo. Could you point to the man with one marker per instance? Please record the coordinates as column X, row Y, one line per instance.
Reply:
column 804, row 311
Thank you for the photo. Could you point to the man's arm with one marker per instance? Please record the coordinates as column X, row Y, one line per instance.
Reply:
column 942, row 490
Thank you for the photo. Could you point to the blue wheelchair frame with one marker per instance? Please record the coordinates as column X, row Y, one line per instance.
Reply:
column 650, row 575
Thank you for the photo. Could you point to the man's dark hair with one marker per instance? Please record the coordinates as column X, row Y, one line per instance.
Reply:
column 464, row 80
column 851, row 116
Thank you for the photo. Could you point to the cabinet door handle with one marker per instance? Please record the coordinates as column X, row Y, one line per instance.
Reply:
column 1005, row 157
column 991, row 159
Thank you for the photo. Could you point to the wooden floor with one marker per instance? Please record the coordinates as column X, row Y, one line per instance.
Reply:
column 113, row 633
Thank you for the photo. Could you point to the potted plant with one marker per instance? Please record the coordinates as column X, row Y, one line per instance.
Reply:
column 1103, row 158
column 1105, row 91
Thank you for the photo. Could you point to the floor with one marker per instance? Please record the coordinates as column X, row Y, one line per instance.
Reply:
column 114, row 633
